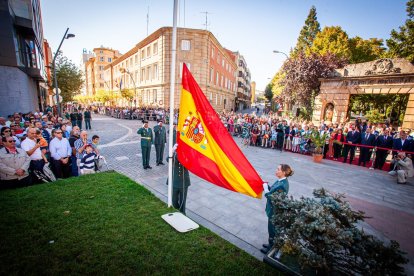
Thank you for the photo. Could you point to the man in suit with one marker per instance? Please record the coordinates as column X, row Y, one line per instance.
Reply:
column 383, row 141
column 367, row 139
column 401, row 143
column 402, row 168
column 280, row 134
column 146, row 143
column 160, row 138
column 353, row 137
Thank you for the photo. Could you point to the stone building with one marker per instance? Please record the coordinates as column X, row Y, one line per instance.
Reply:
column 243, row 93
column 22, row 69
column 145, row 69
column 253, row 92
column 94, row 68
column 383, row 76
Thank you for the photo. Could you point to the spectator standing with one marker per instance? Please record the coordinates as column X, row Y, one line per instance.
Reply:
column 75, row 134
column 60, row 152
column 79, row 118
column 367, row 139
column 353, row 137
column 73, row 117
column 88, row 118
column 14, row 165
column 383, row 141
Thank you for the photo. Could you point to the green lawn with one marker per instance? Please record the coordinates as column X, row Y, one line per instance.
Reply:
column 106, row 224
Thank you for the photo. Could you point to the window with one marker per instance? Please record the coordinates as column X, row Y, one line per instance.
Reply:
column 142, row 54
column 212, row 52
column 101, row 67
column 154, row 95
column 216, row 98
column 211, row 74
column 101, row 58
column 218, row 58
column 155, row 48
column 142, row 74
column 181, row 68
column 155, row 71
column 222, row 81
column 148, row 96
column 136, row 58
column 217, row 78
column 109, row 59
column 211, row 96
column 148, row 51
column 147, row 76
column 101, row 76
column 185, row 45
column 222, row 62
column 101, row 85
column 100, row 51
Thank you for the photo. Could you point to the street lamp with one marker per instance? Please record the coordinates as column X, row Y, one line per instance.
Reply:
column 123, row 71
column 65, row 36
column 280, row 52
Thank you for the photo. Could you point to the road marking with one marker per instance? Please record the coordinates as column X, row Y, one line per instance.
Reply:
column 120, row 158
column 120, row 139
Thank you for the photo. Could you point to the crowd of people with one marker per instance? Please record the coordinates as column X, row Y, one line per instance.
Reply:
column 343, row 140
column 38, row 147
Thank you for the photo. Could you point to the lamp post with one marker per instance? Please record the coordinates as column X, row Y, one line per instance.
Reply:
column 280, row 52
column 65, row 36
column 123, row 71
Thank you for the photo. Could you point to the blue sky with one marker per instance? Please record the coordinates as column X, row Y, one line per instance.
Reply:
column 254, row 28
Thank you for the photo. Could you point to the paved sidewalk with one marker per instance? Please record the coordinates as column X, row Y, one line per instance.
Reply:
column 241, row 219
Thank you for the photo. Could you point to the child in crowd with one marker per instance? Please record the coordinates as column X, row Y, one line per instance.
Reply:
column 95, row 142
column 296, row 143
column 87, row 163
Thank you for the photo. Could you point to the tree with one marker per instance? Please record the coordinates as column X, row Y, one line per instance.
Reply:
column 268, row 92
column 69, row 77
column 301, row 83
column 277, row 86
column 308, row 33
column 401, row 43
column 331, row 40
column 363, row 50
column 127, row 94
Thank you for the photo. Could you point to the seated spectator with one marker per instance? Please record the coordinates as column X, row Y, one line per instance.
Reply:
column 402, row 168
column 87, row 163
column 14, row 165
column 95, row 143
column 32, row 148
column 7, row 132
column 60, row 152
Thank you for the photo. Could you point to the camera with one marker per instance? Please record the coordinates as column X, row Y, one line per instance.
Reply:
column 37, row 140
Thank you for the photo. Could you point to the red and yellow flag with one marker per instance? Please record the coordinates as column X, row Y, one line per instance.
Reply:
column 206, row 148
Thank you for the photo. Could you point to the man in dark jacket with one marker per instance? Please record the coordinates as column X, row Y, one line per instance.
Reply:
column 383, row 141
column 353, row 137
column 367, row 139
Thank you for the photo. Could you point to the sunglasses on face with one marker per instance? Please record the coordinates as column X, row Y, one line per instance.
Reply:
column 58, row 132
column 7, row 130
column 11, row 141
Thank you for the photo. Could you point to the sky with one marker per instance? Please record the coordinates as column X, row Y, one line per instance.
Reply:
column 254, row 28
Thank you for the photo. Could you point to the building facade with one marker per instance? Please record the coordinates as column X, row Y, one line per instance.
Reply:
column 94, row 65
column 145, row 69
column 22, row 69
column 243, row 95
column 253, row 93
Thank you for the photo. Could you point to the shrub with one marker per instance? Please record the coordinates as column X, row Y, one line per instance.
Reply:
column 321, row 232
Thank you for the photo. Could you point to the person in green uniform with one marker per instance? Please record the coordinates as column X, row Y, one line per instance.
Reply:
column 281, row 185
column 146, row 143
column 160, row 139
column 280, row 135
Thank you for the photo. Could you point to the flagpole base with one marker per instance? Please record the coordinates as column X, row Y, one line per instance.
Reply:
column 180, row 222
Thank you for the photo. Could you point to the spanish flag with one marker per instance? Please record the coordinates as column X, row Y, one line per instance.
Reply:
column 206, row 148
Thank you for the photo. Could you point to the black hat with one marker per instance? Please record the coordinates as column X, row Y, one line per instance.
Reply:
column 160, row 121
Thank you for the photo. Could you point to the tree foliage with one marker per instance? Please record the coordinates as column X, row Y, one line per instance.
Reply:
column 268, row 93
column 364, row 50
column 332, row 40
column 277, row 85
column 401, row 43
column 307, row 33
column 322, row 233
column 69, row 77
column 301, row 83
column 127, row 94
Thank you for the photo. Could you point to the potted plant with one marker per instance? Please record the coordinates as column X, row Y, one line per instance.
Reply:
column 319, row 141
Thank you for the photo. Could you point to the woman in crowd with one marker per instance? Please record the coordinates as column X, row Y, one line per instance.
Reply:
column 281, row 185
column 338, row 140
column 7, row 132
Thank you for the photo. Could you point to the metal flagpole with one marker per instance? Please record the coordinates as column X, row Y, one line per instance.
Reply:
column 172, row 90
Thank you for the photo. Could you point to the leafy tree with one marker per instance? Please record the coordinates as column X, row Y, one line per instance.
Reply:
column 365, row 50
column 331, row 40
column 401, row 43
column 127, row 94
column 268, row 94
column 308, row 33
column 69, row 77
column 301, row 83
column 277, row 86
